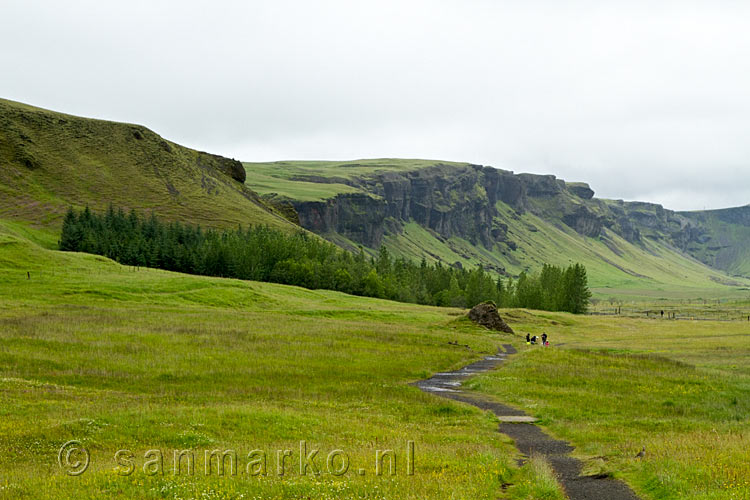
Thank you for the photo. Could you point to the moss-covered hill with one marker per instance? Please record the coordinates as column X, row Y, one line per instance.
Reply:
column 50, row 160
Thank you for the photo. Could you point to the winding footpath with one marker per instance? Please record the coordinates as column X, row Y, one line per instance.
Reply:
column 529, row 438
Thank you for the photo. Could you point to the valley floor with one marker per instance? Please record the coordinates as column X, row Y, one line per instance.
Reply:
column 139, row 360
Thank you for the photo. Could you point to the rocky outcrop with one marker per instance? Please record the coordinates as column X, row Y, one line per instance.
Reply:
column 486, row 315
column 228, row 166
column 448, row 200
column 584, row 221
column 580, row 189
column 542, row 186
column 358, row 217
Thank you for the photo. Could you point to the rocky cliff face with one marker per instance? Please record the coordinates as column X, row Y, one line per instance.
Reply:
column 463, row 201
column 358, row 217
column 448, row 200
column 719, row 238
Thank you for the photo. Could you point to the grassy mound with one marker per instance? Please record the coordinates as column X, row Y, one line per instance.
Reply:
column 51, row 161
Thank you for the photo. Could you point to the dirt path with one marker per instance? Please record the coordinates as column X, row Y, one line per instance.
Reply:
column 529, row 438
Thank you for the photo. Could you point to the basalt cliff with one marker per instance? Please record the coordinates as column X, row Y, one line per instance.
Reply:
column 481, row 205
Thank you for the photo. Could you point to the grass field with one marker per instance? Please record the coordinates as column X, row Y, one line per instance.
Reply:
column 680, row 388
column 124, row 359
column 144, row 359
column 331, row 170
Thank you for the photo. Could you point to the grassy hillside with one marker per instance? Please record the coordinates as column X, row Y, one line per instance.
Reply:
column 648, row 268
column 49, row 161
column 615, row 267
column 322, row 171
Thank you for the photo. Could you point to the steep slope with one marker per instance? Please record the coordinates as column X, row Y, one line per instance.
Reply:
column 50, row 160
column 725, row 240
column 465, row 214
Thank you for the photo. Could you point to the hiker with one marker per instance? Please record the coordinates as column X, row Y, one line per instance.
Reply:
column 528, row 339
column 662, row 314
column 544, row 338
column 533, row 340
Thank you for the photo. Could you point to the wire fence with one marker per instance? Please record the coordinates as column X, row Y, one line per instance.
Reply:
column 690, row 312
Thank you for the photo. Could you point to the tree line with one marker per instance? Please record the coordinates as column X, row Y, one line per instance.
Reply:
column 261, row 253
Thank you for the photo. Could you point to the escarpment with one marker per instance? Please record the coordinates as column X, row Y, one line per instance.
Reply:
column 476, row 202
column 450, row 201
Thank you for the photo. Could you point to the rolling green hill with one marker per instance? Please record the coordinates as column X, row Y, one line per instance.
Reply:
column 49, row 161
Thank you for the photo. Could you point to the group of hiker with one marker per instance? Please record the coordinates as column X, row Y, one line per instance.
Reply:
column 534, row 340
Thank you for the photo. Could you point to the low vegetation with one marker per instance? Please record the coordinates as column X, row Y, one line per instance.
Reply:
column 134, row 356
column 677, row 387
column 140, row 359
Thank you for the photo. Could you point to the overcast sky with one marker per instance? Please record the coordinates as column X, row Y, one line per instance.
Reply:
column 643, row 100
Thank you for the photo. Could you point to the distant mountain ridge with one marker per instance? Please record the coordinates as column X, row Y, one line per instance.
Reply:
column 465, row 213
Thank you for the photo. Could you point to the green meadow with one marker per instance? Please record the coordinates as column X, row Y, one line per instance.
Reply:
column 125, row 359
column 678, row 387
column 141, row 360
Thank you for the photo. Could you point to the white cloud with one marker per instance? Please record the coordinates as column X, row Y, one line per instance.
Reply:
column 642, row 101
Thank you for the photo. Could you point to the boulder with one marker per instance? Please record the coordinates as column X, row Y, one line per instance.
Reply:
column 486, row 314
column 581, row 189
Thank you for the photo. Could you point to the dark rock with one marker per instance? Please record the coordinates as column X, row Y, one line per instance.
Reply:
column 447, row 200
column 584, row 221
column 581, row 189
column 542, row 186
column 485, row 314
column 357, row 216
column 230, row 167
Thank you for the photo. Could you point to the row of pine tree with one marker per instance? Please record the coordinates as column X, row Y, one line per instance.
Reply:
column 263, row 254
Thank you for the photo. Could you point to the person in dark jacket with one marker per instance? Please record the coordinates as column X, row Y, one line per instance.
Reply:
column 544, row 338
